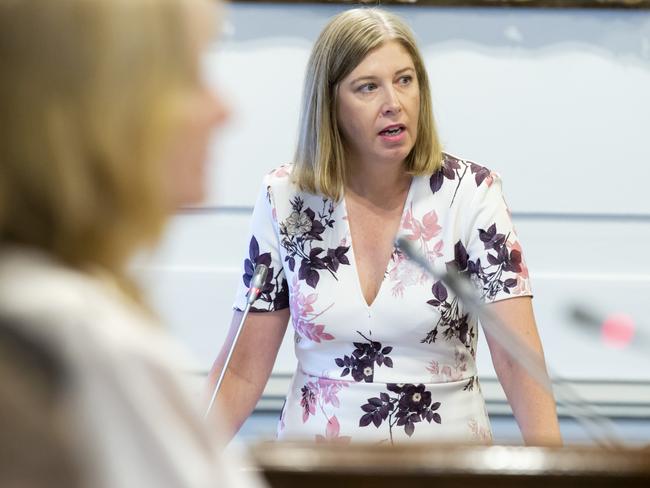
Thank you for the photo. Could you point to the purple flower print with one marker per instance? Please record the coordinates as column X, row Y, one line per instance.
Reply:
column 361, row 363
column 454, row 169
column 453, row 322
column 450, row 169
column 502, row 257
column 275, row 291
column 299, row 233
column 481, row 174
column 408, row 405
column 523, row 278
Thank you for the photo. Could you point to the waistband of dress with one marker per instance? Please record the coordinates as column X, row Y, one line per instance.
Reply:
column 471, row 381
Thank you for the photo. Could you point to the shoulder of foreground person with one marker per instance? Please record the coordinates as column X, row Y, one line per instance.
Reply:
column 135, row 419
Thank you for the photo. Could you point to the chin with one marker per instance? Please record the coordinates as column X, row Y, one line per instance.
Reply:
column 396, row 157
column 189, row 197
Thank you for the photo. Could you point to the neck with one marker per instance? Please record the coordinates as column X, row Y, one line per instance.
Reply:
column 378, row 182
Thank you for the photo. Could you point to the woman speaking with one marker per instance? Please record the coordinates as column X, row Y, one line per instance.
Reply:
column 385, row 353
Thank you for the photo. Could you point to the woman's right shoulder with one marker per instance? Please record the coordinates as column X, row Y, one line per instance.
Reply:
column 281, row 175
column 279, row 183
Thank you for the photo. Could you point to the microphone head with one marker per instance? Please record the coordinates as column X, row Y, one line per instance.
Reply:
column 617, row 330
column 406, row 246
column 259, row 276
column 257, row 282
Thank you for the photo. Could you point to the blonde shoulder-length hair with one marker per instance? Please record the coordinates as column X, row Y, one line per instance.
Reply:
column 89, row 94
column 342, row 45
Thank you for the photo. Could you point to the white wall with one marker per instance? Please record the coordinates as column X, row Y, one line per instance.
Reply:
column 557, row 101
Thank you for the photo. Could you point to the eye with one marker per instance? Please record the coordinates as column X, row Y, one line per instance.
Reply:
column 367, row 87
column 405, row 80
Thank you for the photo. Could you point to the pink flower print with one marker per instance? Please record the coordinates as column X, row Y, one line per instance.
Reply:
column 436, row 252
column 446, row 372
column 329, row 390
column 430, row 227
column 523, row 278
column 303, row 314
column 301, row 305
column 480, row 433
column 269, row 198
column 411, row 224
column 281, row 171
column 490, row 179
column 332, row 433
column 426, row 229
column 515, row 246
column 403, row 273
column 308, row 401
column 313, row 332
column 434, row 368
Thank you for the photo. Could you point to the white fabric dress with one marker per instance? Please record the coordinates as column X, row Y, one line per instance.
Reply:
column 402, row 368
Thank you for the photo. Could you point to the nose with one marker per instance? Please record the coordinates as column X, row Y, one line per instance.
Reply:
column 392, row 104
column 220, row 110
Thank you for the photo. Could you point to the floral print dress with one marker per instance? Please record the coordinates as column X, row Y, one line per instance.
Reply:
column 402, row 368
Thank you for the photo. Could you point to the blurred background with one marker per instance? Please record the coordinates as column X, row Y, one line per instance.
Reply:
column 555, row 100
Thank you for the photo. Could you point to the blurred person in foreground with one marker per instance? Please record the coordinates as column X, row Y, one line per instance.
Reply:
column 104, row 123
column 385, row 353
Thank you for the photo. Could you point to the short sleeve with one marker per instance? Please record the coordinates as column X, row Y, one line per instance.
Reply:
column 263, row 248
column 492, row 255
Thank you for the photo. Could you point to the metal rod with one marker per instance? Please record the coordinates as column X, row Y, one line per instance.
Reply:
column 598, row 427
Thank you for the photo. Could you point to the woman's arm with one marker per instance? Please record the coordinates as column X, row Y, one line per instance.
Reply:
column 249, row 369
column 533, row 406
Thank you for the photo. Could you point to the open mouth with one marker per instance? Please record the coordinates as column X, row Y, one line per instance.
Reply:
column 392, row 130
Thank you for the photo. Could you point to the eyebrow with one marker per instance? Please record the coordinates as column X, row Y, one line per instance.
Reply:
column 398, row 72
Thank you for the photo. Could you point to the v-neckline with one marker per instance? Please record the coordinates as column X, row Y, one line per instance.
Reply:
column 353, row 261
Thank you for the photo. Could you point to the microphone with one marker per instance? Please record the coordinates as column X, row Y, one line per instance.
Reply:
column 594, row 424
column 257, row 282
column 617, row 330
column 468, row 295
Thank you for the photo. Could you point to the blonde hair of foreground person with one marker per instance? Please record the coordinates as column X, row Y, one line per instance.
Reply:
column 90, row 94
column 343, row 44
column 104, row 125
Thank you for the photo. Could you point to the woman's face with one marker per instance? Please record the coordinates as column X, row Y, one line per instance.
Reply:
column 203, row 112
column 378, row 105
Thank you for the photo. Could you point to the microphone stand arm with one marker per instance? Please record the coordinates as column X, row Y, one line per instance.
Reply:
column 257, row 282
column 598, row 427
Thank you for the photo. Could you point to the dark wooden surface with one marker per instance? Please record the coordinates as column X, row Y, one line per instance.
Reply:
column 602, row 4
column 291, row 465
